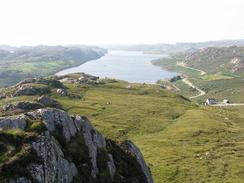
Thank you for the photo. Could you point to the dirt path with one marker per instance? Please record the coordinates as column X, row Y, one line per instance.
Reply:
column 189, row 83
column 227, row 105
column 182, row 64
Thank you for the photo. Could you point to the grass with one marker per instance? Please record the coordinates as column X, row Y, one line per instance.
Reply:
column 181, row 142
column 220, row 84
column 216, row 76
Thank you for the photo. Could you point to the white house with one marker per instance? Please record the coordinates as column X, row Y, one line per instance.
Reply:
column 210, row 101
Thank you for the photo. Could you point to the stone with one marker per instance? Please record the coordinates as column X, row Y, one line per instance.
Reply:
column 93, row 139
column 62, row 92
column 55, row 119
column 20, row 180
column 22, row 106
column 48, row 102
column 54, row 167
column 111, row 166
column 29, row 89
column 135, row 151
column 13, row 122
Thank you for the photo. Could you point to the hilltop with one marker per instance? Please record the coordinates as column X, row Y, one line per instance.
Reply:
column 180, row 140
column 41, row 143
column 18, row 63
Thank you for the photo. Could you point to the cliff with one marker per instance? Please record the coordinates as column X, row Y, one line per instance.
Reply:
column 48, row 145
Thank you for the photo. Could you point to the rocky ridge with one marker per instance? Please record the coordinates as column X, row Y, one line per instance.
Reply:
column 96, row 158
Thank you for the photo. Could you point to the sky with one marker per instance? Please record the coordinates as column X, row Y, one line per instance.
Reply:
column 103, row 22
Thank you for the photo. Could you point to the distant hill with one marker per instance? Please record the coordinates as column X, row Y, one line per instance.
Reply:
column 17, row 63
column 178, row 47
column 214, row 59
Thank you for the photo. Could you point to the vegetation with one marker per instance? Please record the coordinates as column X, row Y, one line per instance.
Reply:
column 17, row 64
column 180, row 140
column 222, row 79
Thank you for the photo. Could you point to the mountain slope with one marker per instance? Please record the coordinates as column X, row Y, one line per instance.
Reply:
column 47, row 145
column 213, row 60
column 180, row 141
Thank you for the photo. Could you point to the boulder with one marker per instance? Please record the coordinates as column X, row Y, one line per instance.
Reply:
column 13, row 122
column 29, row 89
column 22, row 106
column 93, row 139
column 62, row 92
column 20, row 180
column 135, row 151
column 56, row 119
column 54, row 167
column 48, row 102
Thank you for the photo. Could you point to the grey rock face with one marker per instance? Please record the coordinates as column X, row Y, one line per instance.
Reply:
column 13, row 122
column 48, row 102
column 54, row 167
column 29, row 89
column 20, row 180
column 82, row 79
column 22, row 106
column 137, row 153
column 58, row 119
column 93, row 139
column 111, row 166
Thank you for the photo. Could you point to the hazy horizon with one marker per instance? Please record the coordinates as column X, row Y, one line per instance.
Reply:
column 124, row 22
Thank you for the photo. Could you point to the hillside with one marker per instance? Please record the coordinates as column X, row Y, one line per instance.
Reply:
column 163, row 48
column 218, row 72
column 41, row 143
column 213, row 60
column 18, row 63
column 181, row 141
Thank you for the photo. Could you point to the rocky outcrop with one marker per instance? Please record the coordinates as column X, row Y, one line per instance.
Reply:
column 29, row 89
column 20, row 180
column 23, row 106
column 54, row 167
column 80, row 78
column 135, row 151
column 62, row 92
column 94, row 158
column 94, row 141
column 48, row 102
column 56, row 119
column 13, row 122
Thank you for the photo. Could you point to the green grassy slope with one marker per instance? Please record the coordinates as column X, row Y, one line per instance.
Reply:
column 181, row 141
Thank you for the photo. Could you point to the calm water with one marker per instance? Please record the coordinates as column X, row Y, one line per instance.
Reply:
column 131, row 66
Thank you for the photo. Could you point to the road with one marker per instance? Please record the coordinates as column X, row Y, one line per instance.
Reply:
column 189, row 83
column 182, row 64
column 201, row 92
column 228, row 105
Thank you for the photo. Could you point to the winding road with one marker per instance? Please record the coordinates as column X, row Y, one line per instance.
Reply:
column 201, row 92
column 189, row 83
